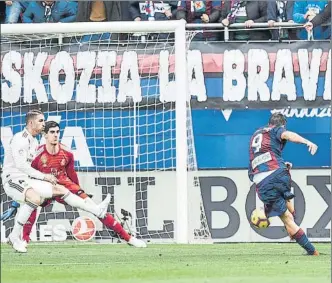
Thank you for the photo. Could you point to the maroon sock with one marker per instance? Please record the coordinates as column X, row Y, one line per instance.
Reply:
column 28, row 226
column 111, row 223
column 302, row 239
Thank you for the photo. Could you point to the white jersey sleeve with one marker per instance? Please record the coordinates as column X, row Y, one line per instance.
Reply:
column 23, row 159
column 19, row 156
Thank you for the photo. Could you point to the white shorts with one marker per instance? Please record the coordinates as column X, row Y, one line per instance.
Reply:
column 16, row 188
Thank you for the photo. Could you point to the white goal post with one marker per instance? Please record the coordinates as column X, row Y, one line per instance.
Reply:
column 23, row 34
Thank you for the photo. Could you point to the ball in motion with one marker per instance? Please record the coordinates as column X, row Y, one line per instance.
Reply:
column 259, row 219
column 83, row 228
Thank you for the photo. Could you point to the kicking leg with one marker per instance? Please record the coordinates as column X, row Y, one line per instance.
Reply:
column 47, row 190
column 73, row 200
column 297, row 233
column 290, row 207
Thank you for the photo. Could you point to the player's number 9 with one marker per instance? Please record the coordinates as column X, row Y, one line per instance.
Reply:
column 257, row 143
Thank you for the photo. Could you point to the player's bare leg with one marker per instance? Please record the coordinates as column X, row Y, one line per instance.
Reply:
column 75, row 201
column 297, row 233
column 32, row 201
column 290, row 207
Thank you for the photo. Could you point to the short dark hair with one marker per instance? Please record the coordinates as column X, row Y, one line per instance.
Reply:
column 50, row 124
column 31, row 115
column 277, row 119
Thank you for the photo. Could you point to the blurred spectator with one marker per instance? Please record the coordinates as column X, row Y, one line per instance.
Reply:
column 101, row 11
column 305, row 11
column 238, row 11
column 2, row 12
column 280, row 11
column 50, row 12
column 200, row 12
column 152, row 10
column 320, row 19
column 14, row 9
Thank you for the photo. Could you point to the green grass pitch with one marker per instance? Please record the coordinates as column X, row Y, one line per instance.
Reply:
column 229, row 263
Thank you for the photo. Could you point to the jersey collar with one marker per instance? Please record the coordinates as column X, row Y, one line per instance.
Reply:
column 29, row 135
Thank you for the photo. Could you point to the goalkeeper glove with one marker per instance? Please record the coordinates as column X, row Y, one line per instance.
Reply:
column 11, row 212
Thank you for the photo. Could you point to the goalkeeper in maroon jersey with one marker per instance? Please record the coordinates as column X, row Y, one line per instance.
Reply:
column 55, row 158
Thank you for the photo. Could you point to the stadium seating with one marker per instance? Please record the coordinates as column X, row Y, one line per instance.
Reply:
column 221, row 20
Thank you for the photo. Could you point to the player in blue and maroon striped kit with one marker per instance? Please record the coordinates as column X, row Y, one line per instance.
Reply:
column 270, row 173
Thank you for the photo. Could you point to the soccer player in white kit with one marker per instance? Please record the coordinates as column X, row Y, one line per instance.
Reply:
column 27, row 185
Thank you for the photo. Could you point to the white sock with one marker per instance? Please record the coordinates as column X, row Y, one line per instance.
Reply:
column 90, row 201
column 78, row 202
column 22, row 217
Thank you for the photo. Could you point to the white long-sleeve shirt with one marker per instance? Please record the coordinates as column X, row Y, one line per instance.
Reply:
column 19, row 156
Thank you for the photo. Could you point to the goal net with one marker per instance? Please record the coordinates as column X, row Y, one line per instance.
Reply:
column 123, row 112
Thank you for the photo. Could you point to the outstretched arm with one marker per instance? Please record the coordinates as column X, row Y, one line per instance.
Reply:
column 294, row 137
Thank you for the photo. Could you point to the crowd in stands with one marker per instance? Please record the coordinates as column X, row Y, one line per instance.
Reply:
column 312, row 15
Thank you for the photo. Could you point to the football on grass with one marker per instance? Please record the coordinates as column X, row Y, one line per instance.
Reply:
column 259, row 219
